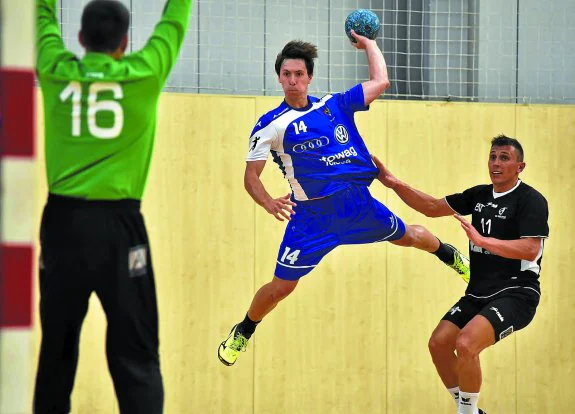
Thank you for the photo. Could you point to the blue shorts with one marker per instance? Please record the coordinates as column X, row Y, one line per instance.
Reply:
column 350, row 216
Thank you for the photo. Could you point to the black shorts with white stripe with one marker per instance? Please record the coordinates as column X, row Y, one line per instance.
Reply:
column 508, row 311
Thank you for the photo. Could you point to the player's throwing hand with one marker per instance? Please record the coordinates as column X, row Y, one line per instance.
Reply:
column 360, row 41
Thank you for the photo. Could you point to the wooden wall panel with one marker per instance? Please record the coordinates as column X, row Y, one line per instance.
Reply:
column 545, row 366
column 203, row 243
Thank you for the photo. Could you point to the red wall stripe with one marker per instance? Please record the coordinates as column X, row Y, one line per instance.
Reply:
column 16, row 286
column 17, row 112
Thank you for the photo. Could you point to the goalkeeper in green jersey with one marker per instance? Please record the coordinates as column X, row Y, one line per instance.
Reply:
column 100, row 121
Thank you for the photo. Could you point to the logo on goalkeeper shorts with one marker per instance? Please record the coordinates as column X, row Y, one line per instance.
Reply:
column 137, row 261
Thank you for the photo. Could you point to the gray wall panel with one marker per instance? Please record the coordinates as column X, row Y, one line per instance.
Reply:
column 547, row 51
column 497, row 50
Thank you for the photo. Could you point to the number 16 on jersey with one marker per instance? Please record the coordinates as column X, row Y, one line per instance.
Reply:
column 74, row 90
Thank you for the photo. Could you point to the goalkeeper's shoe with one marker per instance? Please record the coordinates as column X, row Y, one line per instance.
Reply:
column 460, row 263
column 229, row 350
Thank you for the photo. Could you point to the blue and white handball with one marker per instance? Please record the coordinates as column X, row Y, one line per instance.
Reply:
column 363, row 22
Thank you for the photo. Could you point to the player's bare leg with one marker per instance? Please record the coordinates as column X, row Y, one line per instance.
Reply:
column 264, row 301
column 268, row 296
column 477, row 335
column 442, row 349
column 419, row 237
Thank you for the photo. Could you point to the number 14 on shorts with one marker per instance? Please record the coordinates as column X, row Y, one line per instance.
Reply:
column 290, row 255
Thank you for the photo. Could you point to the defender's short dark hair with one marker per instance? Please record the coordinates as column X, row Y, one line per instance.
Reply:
column 502, row 141
column 296, row 49
column 104, row 25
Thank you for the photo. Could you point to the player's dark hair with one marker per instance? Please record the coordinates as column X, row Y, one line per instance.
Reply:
column 502, row 141
column 296, row 49
column 104, row 25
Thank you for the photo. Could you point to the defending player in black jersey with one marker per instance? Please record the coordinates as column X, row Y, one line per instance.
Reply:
column 506, row 236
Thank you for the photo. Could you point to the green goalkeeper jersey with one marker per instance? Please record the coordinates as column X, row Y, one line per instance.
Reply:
column 100, row 113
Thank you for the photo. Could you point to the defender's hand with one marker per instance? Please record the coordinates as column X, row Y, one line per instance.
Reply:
column 471, row 231
column 280, row 207
column 384, row 175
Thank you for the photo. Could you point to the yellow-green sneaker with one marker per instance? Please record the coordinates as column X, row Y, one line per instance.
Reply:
column 460, row 264
column 230, row 349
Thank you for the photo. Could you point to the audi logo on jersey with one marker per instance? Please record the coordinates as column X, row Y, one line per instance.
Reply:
column 311, row 144
column 341, row 134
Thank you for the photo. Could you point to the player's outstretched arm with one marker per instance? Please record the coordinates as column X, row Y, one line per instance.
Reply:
column 280, row 207
column 378, row 80
column 417, row 200
column 49, row 44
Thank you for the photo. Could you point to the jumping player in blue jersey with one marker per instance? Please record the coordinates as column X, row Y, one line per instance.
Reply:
column 318, row 148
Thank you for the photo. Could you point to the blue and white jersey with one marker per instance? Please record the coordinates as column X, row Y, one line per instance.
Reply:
column 318, row 148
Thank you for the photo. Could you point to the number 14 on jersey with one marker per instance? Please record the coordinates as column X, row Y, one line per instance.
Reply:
column 292, row 257
column 301, row 127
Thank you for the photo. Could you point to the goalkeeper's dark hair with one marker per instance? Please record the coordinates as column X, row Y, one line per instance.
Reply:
column 502, row 141
column 296, row 49
column 104, row 25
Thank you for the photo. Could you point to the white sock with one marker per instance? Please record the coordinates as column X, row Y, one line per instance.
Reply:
column 468, row 402
column 455, row 394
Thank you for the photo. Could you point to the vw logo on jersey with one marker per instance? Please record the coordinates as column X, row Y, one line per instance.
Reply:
column 341, row 134
column 311, row 144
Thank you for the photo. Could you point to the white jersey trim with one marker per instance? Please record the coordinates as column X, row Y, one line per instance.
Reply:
column 276, row 129
column 510, row 287
column 389, row 235
column 449, row 205
column 497, row 195
column 262, row 141
column 294, row 267
column 532, row 265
